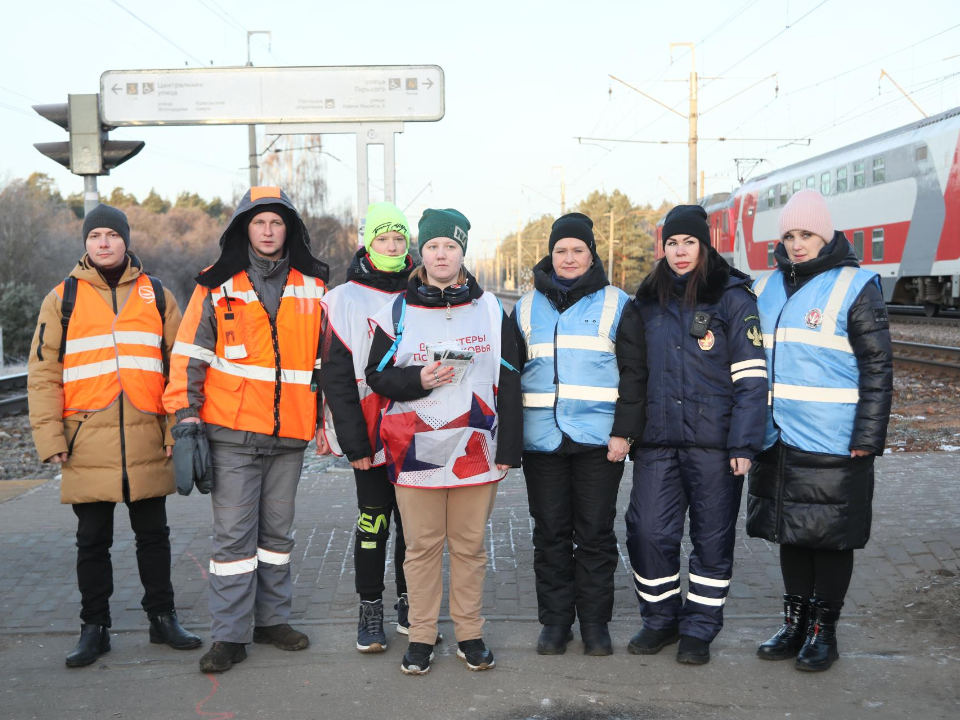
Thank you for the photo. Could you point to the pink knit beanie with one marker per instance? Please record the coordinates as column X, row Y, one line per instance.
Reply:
column 807, row 210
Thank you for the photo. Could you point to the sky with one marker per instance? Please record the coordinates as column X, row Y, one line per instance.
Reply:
column 523, row 79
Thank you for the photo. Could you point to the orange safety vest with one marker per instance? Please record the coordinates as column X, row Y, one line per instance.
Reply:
column 108, row 353
column 259, row 380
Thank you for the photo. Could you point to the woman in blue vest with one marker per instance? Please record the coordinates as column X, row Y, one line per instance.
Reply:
column 567, row 332
column 704, row 423
column 830, row 366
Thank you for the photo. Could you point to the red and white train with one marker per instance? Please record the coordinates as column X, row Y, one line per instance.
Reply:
column 896, row 197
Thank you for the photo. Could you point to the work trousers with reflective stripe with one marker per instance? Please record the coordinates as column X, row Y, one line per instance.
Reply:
column 253, row 507
column 666, row 483
column 458, row 518
column 148, row 520
column 573, row 502
column 376, row 501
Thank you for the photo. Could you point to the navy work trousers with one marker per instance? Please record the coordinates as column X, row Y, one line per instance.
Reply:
column 666, row 483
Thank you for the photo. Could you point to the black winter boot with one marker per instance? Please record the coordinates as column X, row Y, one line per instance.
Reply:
column 165, row 629
column 693, row 651
column 222, row 656
column 596, row 639
column 553, row 639
column 820, row 650
column 789, row 638
column 94, row 642
column 650, row 642
column 281, row 636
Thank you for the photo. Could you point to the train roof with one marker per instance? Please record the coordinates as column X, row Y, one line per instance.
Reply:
column 947, row 114
column 710, row 203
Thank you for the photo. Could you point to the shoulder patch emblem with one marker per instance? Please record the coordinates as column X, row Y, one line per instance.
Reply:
column 748, row 318
column 707, row 341
column 755, row 336
column 813, row 318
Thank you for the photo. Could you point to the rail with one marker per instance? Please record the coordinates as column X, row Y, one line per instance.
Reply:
column 927, row 357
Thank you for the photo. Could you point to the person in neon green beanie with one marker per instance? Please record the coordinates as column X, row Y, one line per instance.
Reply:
column 386, row 236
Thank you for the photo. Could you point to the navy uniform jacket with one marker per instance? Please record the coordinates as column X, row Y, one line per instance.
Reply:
column 705, row 392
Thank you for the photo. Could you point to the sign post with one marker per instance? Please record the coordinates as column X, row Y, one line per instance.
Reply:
column 370, row 102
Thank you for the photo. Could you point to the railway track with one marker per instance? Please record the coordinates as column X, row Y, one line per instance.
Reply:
column 900, row 319
column 937, row 358
column 13, row 398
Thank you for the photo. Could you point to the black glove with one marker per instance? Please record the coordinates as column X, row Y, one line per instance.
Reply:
column 191, row 458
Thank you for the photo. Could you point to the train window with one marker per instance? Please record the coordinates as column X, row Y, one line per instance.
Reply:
column 771, row 258
column 726, row 224
column 771, row 197
column 858, row 178
column 797, row 185
column 858, row 243
column 876, row 244
column 811, row 183
column 825, row 183
column 920, row 153
column 841, row 180
column 878, row 170
column 783, row 194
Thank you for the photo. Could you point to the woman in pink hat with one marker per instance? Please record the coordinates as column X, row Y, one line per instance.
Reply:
column 830, row 369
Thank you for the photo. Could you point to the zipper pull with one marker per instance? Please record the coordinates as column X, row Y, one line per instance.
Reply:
column 449, row 316
column 793, row 274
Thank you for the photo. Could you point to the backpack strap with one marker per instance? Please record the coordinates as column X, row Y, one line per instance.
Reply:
column 67, row 304
column 399, row 313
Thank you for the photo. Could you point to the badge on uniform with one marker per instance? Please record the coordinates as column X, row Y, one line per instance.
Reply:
column 813, row 318
column 707, row 341
column 755, row 336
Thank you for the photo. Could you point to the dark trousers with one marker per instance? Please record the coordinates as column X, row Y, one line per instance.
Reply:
column 148, row 518
column 666, row 483
column 573, row 502
column 815, row 573
column 376, row 501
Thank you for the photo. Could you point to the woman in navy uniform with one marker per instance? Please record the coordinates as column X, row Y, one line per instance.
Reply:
column 706, row 398
column 830, row 363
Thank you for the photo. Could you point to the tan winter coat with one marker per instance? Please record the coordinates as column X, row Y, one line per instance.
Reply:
column 101, row 447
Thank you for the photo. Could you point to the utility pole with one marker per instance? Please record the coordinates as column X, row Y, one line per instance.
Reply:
column 692, row 117
column 563, row 188
column 610, row 248
column 252, row 129
column 703, row 185
column 516, row 282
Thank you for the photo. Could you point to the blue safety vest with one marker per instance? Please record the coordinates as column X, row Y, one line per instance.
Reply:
column 812, row 372
column 570, row 380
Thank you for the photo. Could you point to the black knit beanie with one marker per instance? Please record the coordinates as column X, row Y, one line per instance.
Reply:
column 687, row 220
column 573, row 225
column 104, row 216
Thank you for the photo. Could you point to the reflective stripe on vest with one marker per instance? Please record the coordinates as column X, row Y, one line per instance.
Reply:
column 813, row 374
column 108, row 352
column 250, row 385
column 577, row 346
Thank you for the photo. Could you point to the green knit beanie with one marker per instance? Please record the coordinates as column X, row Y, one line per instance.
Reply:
column 384, row 217
column 447, row 223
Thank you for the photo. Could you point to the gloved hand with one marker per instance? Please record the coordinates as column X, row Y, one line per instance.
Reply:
column 191, row 458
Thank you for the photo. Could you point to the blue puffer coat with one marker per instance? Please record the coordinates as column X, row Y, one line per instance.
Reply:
column 709, row 392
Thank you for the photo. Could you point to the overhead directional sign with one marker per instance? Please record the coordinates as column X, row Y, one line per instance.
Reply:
column 260, row 95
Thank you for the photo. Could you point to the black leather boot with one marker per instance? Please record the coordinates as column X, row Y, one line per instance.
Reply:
column 649, row 642
column 596, row 639
column 553, row 639
column 789, row 638
column 165, row 629
column 222, row 656
column 820, row 650
column 94, row 642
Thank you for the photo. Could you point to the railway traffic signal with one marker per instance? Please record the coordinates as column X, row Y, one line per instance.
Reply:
column 88, row 151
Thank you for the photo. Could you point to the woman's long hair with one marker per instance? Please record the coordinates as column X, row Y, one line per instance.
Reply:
column 422, row 276
column 663, row 279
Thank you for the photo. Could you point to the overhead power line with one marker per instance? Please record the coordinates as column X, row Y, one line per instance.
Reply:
column 151, row 27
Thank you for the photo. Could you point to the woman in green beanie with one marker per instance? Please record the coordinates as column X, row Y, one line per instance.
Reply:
column 451, row 432
column 378, row 273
